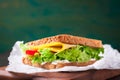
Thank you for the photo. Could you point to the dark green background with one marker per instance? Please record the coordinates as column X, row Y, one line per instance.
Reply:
column 33, row 19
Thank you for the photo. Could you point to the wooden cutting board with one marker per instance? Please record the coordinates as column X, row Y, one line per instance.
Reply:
column 83, row 75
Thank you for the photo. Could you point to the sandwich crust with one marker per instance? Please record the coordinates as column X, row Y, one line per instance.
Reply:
column 49, row 65
column 68, row 39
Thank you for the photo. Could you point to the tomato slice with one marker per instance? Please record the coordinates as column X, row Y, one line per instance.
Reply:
column 31, row 52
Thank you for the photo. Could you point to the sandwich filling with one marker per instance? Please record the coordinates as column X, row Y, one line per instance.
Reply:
column 58, row 51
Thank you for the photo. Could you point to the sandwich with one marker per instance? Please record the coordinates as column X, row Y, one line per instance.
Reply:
column 61, row 50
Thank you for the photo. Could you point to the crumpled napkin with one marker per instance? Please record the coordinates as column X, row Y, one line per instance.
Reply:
column 110, row 60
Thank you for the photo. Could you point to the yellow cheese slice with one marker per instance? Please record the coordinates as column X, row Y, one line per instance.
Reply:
column 53, row 46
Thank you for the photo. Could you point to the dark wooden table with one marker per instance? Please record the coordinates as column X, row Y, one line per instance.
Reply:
column 84, row 75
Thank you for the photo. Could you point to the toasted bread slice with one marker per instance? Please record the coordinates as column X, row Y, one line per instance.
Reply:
column 68, row 39
column 49, row 65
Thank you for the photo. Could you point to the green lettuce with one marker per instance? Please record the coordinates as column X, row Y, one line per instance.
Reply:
column 73, row 54
column 24, row 47
column 80, row 54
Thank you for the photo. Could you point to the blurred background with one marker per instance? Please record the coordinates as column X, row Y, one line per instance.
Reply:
column 26, row 20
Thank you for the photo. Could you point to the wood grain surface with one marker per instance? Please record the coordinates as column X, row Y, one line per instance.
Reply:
column 83, row 75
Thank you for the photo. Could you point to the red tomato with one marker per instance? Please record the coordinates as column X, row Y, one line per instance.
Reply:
column 31, row 52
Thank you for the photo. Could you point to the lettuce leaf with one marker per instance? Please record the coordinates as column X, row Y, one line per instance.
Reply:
column 80, row 54
column 74, row 54
column 47, row 55
column 24, row 47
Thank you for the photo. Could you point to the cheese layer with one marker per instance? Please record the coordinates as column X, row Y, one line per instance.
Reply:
column 53, row 46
